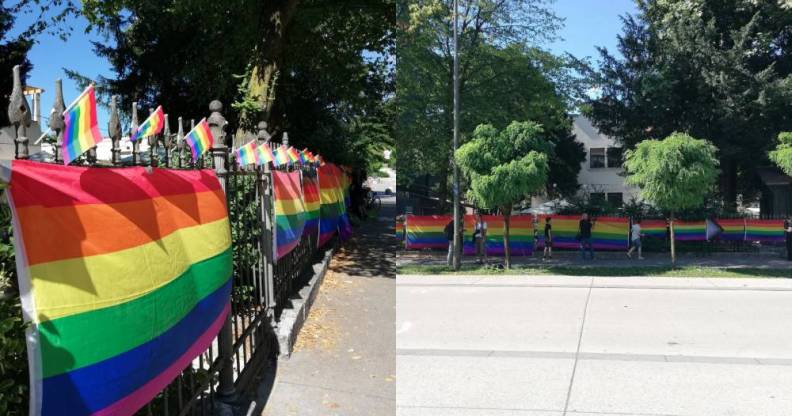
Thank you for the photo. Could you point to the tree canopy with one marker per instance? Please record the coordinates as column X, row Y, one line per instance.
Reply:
column 327, row 66
column 782, row 155
column 504, row 167
column 504, row 76
column 715, row 69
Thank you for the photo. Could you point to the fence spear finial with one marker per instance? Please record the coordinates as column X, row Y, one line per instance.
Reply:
column 19, row 115
column 56, row 122
column 263, row 135
column 134, row 127
column 285, row 139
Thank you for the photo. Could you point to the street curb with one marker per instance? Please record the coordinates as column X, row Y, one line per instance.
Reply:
column 292, row 320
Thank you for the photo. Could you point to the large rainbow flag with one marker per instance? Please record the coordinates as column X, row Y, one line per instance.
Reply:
column 520, row 235
column 771, row 231
column 289, row 212
column 732, row 229
column 426, row 231
column 331, row 207
column 129, row 281
column 312, row 203
column 608, row 233
column 654, row 228
column 82, row 126
column 690, row 230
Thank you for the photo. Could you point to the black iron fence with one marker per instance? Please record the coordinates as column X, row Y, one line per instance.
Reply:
column 261, row 287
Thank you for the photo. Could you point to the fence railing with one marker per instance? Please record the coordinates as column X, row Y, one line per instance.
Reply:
column 261, row 287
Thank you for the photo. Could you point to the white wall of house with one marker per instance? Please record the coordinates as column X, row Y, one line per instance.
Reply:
column 599, row 173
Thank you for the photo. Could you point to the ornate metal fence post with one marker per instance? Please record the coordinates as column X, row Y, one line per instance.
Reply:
column 19, row 116
column 114, row 130
column 167, row 140
column 266, row 236
column 136, row 143
column 180, row 143
column 56, row 122
column 225, row 340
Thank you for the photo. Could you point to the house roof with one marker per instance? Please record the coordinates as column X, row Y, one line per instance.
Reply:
column 773, row 177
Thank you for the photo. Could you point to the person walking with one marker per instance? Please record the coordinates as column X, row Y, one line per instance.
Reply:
column 635, row 240
column 548, row 240
column 480, row 239
column 584, row 236
column 788, row 235
column 449, row 235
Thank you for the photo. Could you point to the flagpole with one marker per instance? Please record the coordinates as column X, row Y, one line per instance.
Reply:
column 90, row 86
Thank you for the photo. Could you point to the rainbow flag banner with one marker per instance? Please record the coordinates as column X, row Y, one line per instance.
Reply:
column 312, row 203
column 565, row 228
column 199, row 139
column 608, row 233
column 151, row 126
column 331, row 196
column 690, row 230
column 82, row 126
column 289, row 212
column 294, row 155
column 281, row 156
column 520, row 235
column 732, row 229
column 247, row 155
column 426, row 232
column 130, row 282
column 770, row 231
column 654, row 228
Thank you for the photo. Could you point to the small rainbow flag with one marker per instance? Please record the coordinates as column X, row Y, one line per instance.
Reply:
column 247, row 154
column 153, row 125
column 771, row 231
column 200, row 139
column 82, row 129
column 289, row 212
column 281, row 156
column 312, row 203
column 265, row 153
column 309, row 157
column 129, row 285
column 294, row 155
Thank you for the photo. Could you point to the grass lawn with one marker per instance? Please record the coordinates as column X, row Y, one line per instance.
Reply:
column 665, row 271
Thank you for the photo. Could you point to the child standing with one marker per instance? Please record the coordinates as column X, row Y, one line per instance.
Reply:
column 635, row 239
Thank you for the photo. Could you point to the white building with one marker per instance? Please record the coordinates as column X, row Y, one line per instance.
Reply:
column 33, row 95
column 601, row 174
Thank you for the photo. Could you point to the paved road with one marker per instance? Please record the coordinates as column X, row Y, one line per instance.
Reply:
column 344, row 359
column 484, row 346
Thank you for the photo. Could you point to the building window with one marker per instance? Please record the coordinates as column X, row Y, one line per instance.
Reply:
column 616, row 199
column 597, row 197
column 615, row 157
column 597, row 157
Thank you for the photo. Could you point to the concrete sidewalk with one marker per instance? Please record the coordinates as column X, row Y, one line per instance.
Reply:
column 344, row 357
column 475, row 345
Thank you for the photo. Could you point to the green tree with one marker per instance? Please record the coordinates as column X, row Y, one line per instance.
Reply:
column 504, row 167
column 674, row 174
column 715, row 69
column 504, row 76
column 320, row 70
column 782, row 155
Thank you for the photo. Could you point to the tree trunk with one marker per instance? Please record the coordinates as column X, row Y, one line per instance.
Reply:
column 728, row 184
column 673, row 243
column 506, row 247
column 265, row 63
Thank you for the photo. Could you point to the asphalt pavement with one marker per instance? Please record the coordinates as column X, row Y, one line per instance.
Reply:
column 544, row 345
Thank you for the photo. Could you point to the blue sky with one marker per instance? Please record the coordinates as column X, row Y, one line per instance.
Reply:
column 589, row 23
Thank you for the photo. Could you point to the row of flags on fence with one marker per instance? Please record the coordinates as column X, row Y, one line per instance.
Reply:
column 82, row 133
column 253, row 154
column 82, row 129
